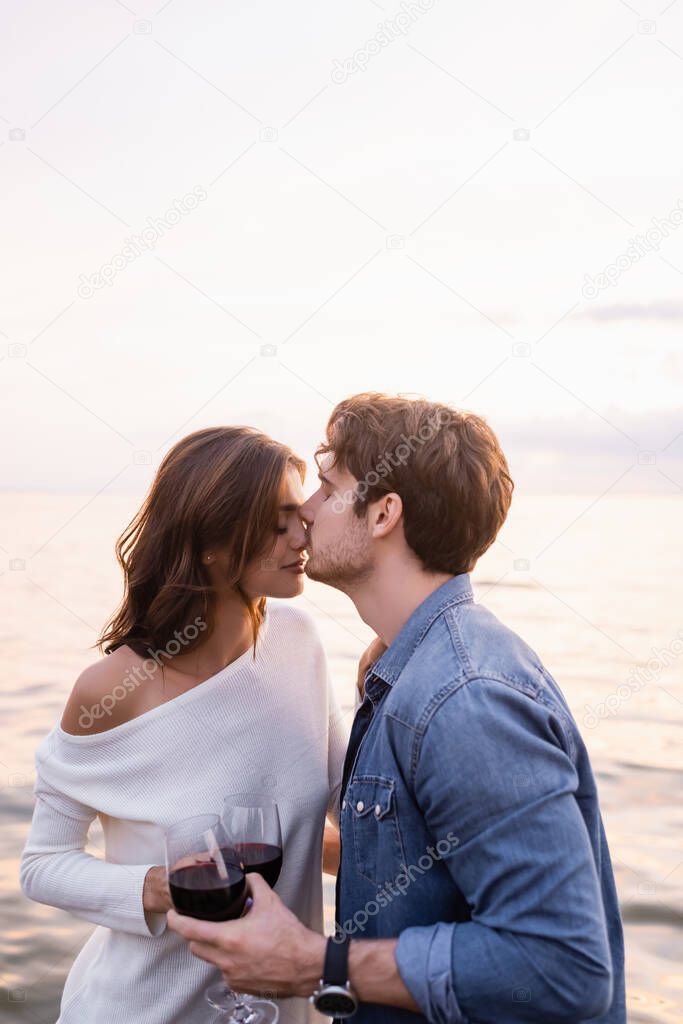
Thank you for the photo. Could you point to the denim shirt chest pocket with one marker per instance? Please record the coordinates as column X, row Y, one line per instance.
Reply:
column 370, row 801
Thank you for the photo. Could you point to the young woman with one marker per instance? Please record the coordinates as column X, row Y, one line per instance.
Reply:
column 206, row 690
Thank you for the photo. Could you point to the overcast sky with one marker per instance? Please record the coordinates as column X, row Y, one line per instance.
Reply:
column 242, row 212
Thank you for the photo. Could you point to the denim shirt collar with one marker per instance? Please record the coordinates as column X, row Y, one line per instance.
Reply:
column 389, row 666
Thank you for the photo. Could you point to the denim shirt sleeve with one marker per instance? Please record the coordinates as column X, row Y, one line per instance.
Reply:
column 494, row 767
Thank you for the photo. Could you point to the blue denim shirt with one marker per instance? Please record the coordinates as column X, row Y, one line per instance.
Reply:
column 471, row 831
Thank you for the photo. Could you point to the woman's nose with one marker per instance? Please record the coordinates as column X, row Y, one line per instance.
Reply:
column 306, row 513
column 299, row 537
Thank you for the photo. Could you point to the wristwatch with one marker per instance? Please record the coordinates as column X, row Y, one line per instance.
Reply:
column 335, row 997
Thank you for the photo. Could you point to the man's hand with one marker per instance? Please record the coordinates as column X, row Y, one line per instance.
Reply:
column 368, row 658
column 156, row 898
column 267, row 950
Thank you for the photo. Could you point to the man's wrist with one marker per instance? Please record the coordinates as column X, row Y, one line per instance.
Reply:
column 374, row 975
column 311, row 964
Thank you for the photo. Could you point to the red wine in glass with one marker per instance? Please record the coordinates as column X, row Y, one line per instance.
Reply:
column 264, row 858
column 199, row 891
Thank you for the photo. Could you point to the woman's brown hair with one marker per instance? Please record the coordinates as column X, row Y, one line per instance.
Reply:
column 219, row 486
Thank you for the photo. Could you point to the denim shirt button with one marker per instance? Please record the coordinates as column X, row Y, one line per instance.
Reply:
column 378, row 810
column 343, row 805
column 359, row 806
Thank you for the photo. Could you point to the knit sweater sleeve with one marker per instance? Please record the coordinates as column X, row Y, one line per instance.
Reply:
column 56, row 870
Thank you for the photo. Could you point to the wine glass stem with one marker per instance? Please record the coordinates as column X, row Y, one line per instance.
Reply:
column 242, row 1014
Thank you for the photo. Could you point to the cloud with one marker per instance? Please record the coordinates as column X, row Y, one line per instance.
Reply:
column 656, row 311
column 585, row 454
column 586, row 433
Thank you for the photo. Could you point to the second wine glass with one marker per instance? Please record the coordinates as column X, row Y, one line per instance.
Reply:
column 252, row 821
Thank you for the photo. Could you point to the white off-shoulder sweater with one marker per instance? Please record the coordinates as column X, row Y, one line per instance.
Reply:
column 271, row 722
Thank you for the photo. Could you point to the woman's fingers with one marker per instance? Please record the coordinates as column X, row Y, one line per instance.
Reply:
column 369, row 656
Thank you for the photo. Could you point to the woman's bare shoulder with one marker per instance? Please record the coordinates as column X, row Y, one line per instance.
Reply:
column 104, row 695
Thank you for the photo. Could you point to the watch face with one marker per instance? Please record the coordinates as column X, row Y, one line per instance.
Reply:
column 336, row 1003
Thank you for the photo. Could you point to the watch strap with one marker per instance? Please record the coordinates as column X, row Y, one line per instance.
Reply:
column 336, row 968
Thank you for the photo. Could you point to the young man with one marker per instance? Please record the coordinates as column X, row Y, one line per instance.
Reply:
column 475, row 881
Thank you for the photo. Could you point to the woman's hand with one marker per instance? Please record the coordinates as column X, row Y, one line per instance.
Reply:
column 331, row 849
column 368, row 658
column 156, row 897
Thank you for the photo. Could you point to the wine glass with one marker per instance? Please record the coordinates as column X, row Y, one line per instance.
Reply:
column 253, row 822
column 206, row 881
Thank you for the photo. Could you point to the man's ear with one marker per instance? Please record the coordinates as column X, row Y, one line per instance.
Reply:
column 385, row 514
